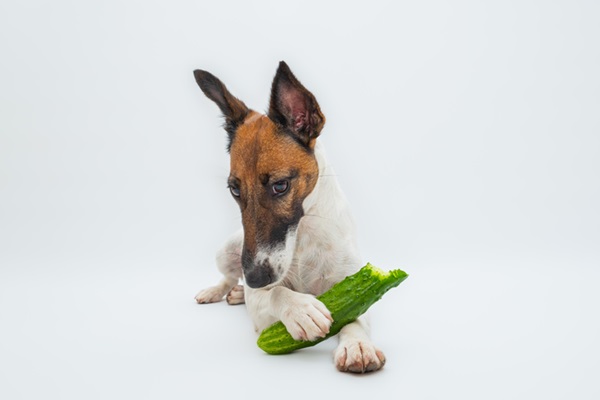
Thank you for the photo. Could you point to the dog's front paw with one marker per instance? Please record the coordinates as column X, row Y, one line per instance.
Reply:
column 235, row 295
column 210, row 295
column 307, row 318
column 358, row 356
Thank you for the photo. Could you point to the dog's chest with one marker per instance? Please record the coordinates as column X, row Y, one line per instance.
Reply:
column 311, row 276
column 317, row 262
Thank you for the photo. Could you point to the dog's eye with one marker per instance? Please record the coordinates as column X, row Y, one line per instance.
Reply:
column 280, row 187
column 235, row 191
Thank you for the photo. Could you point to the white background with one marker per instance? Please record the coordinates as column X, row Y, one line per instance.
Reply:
column 465, row 135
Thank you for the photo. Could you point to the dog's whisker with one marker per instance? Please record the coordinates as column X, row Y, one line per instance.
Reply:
column 317, row 216
column 229, row 253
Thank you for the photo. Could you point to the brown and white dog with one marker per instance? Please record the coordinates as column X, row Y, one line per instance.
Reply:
column 297, row 238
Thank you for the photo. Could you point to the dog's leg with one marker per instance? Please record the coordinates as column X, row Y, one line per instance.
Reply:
column 305, row 317
column 229, row 262
column 355, row 352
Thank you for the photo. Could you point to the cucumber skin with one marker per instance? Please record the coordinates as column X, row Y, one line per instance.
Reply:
column 346, row 300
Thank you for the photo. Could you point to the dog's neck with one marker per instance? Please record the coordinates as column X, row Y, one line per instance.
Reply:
column 327, row 199
column 326, row 248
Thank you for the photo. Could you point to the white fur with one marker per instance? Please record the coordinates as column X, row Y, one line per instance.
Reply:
column 281, row 257
column 321, row 252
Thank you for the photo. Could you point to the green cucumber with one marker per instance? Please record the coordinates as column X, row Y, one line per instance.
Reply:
column 346, row 300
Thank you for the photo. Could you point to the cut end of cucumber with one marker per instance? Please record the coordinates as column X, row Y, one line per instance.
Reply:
column 375, row 270
column 380, row 273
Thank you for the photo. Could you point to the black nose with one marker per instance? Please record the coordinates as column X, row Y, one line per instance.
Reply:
column 258, row 276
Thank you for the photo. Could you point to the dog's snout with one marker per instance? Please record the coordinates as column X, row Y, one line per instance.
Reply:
column 257, row 277
column 256, row 274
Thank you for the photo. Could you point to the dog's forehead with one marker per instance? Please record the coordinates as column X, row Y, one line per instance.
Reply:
column 259, row 148
column 256, row 132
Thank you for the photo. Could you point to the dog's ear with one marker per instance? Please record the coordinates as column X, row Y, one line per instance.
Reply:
column 233, row 109
column 295, row 108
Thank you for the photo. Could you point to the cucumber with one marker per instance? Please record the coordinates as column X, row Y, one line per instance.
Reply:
column 346, row 300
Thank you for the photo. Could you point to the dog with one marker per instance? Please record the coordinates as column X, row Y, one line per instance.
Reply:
column 297, row 237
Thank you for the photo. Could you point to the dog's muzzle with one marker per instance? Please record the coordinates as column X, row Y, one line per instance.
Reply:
column 256, row 274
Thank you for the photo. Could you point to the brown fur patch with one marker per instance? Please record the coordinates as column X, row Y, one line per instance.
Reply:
column 261, row 155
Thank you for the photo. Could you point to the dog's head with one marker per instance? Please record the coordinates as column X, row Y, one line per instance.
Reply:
column 273, row 169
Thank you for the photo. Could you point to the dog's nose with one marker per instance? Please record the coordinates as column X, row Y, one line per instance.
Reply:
column 258, row 277
column 256, row 274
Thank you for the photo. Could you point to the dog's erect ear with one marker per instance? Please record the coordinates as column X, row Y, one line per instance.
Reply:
column 233, row 109
column 294, row 107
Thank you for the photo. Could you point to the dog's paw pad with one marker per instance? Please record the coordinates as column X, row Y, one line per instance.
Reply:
column 209, row 295
column 235, row 295
column 358, row 357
